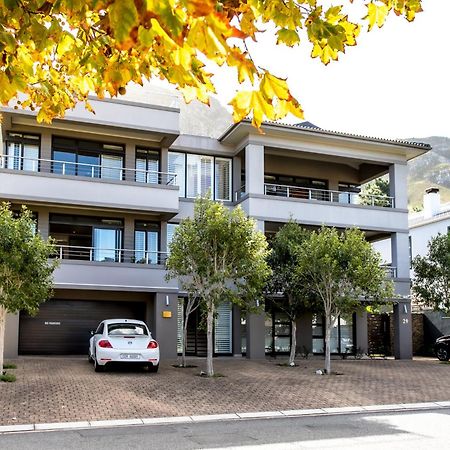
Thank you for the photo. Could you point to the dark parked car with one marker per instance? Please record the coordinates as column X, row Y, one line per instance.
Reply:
column 442, row 348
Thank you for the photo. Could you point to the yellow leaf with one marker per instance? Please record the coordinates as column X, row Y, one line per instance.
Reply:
column 123, row 16
column 376, row 14
column 272, row 86
column 288, row 37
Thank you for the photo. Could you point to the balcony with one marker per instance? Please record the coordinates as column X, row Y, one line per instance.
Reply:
column 108, row 255
column 62, row 182
column 313, row 206
column 111, row 269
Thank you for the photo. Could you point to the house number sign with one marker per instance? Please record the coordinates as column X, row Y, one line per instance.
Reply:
column 52, row 323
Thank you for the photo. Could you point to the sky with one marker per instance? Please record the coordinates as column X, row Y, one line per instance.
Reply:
column 395, row 83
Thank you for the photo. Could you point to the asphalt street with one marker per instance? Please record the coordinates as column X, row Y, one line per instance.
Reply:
column 396, row 430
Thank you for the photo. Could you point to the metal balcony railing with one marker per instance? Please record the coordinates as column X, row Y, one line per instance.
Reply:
column 115, row 255
column 326, row 195
column 391, row 271
column 104, row 172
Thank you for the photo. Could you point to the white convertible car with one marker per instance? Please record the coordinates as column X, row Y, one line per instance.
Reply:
column 123, row 340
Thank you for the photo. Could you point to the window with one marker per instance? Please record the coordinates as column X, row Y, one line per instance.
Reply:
column 223, row 329
column 146, row 242
column 87, row 159
column 222, row 181
column 87, row 238
column 171, row 227
column 22, row 152
column 349, row 194
column 127, row 329
column 147, row 166
column 177, row 166
column 198, row 174
column 341, row 339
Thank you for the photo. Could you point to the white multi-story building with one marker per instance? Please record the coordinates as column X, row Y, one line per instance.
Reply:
column 111, row 188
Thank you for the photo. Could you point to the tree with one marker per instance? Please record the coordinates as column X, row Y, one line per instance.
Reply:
column 376, row 193
column 431, row 282
column 340, row 270
column 57, row 52
column 25, row 271
column 283, row 262
column 218, row 255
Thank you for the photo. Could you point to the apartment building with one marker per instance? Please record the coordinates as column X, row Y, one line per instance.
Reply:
column 111, row 188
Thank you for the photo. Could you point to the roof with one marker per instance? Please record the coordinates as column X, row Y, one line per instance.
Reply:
column 311, row 128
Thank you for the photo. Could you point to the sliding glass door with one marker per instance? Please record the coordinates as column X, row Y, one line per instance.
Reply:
column 107, row 244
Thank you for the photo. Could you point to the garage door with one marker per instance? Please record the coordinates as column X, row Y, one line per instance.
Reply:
column 62, row 327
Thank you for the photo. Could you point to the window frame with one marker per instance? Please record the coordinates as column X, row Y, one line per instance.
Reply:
column 22, row 140
column 213, row 174
column 98, row 149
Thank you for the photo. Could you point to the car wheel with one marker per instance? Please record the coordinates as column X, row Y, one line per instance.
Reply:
column 442, row 354
column 97, row 366
column 152, row 368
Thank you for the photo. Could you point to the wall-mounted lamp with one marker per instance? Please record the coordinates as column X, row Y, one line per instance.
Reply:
column 167, row 300
column 257, row 303
column 405, row 309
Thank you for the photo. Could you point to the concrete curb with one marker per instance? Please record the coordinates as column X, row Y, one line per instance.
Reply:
column 95, row 424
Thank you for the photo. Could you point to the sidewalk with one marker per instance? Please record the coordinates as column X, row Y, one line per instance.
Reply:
column 67, row 389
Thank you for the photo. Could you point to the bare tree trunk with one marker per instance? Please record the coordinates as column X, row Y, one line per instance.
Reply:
column 293, row 343
column 184, row 346
column 327, row 343
column 2, row 335
column 209, row 341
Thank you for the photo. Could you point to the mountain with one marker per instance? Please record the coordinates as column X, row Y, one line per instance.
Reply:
column 431, row 169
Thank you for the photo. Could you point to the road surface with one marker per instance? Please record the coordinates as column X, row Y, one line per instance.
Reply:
column 393, row 430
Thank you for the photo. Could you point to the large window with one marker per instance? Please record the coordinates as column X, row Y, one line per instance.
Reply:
column 87, row 158
column 341, row 339
column 147, row 166
column 22, row 152
column 87, row 238
column 146, row 242
column 198, row 174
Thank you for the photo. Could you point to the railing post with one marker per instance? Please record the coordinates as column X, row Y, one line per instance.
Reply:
column 288, row 193
column 91, row 254
column 63, row 168
column 309, row 194
column 60, row 252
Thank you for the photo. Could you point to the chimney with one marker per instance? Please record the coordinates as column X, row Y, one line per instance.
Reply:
column 431, row 203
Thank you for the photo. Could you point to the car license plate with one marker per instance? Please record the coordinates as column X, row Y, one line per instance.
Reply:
column 129, row 356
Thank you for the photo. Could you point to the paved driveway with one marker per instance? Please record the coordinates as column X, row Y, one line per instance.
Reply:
column 67, row 389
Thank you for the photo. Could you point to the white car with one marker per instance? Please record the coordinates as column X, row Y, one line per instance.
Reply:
column 123, row 340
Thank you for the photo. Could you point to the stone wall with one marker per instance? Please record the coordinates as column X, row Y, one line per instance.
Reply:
column 380, row 329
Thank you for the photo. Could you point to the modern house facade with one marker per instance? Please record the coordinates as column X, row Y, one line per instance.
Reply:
column 111, row 189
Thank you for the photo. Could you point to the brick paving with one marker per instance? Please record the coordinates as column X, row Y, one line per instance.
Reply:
column 50, row 389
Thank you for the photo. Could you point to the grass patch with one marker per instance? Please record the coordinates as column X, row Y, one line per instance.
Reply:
column 9, row 366
column 187, row 366
column 216, row 375
column 444, row 362
column 8, row 377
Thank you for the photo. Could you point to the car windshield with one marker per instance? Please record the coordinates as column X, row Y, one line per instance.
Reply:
column 127, row 329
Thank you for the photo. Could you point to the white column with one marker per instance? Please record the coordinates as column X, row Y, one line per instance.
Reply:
column 254, row 169
column 164, row 163
column 400, row 253
column 398, row 185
